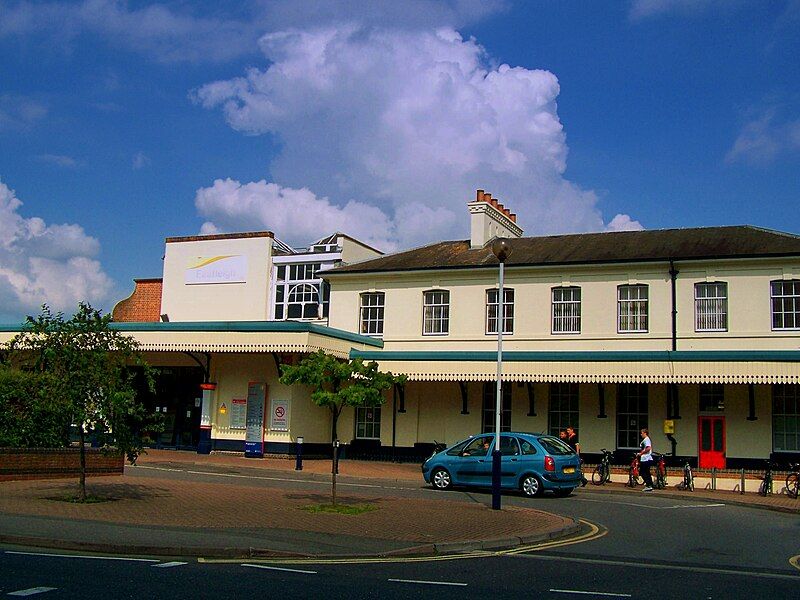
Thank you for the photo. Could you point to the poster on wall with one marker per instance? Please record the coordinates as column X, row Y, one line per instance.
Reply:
column 239, row 413
column 279, row 415
column 254, row 435
column 229, row 268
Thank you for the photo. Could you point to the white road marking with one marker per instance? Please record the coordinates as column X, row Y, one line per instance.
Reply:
column 278, row 569
column 590, row 593
column 653, row 565
column 123, row 558
column 651, row 507
column 428, row 582
column 281, row 479
column 32, row 591
column 169, row 564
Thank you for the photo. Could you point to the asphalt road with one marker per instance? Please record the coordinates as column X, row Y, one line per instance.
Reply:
column 646, row 547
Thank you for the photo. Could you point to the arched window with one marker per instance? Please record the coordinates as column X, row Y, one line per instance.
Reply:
column 303, row 302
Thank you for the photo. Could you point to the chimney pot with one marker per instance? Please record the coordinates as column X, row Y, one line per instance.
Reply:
column 479, row 196
column 513, row 217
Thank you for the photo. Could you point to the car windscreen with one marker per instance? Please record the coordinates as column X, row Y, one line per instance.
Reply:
column 555, row 446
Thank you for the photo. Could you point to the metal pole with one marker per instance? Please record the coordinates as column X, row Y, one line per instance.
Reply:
column 499, row 400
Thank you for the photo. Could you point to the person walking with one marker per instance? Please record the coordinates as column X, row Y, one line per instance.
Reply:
column 645, row 455
column 572, row 440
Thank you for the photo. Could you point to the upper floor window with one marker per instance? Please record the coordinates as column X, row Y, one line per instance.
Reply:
column 508, row 310
column 371, row 313
column 711, row 306
column 436, row 312
column 785, row 296
column 632, row 308
column 567, row 310
column 300, row 293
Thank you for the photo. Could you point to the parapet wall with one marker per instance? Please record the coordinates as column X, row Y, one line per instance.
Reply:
column 52, row 463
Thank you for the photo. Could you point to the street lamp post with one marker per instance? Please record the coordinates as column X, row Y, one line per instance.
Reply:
column 501, row 249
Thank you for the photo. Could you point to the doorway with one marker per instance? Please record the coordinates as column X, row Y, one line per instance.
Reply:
column 711, row 442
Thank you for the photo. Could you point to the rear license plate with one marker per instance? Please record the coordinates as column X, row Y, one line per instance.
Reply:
column 569, row 469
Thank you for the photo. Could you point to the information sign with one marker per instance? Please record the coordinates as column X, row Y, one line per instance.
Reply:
column 254, row 436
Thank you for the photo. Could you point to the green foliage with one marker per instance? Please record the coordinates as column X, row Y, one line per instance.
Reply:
column 339, row 383
column 30, row 416
column 89, row 368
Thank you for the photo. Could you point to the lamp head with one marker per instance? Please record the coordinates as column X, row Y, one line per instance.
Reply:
column 501, row 248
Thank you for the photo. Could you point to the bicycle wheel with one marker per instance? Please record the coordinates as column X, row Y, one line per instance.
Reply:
column 598, row 475
column 765, row 487
column 792, row 484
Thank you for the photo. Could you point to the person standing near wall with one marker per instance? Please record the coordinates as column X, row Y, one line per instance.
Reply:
column 572, row 440
column 645, row 460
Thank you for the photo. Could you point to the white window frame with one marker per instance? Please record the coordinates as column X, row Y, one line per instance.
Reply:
column 288, row 285
column 436, row 312
column 371, row 316
column 508, row 311
column 375, row 422
column 566, row 311
column 711, row 311
column 633, row 304
column 792, row 300
column 785, row 417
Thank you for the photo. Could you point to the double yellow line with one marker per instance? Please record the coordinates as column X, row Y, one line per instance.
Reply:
column 595, row 532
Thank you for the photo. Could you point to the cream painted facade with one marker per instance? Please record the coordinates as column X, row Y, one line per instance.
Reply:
column 246, row 299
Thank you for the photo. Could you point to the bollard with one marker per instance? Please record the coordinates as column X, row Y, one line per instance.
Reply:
column 298, row 449
column 741, row 487
column 713, row 478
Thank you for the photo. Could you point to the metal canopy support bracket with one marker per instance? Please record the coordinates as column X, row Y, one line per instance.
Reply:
column 751, row 397
column 601, row 401
column 531, row 400
column 401, row 393
column 462, row 385
column 206, row 367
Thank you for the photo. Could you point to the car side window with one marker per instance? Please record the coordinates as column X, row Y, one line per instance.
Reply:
column 478, row 447
column 527, row 447
column 509, row 446
column 458, row 448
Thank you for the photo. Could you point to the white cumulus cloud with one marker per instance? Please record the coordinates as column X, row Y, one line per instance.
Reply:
column 41, row 263
column 407, row 123
column 765, row 137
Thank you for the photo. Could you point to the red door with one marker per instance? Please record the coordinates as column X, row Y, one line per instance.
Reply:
column 711, row 432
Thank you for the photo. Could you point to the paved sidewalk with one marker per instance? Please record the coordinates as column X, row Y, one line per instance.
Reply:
column 156, row 511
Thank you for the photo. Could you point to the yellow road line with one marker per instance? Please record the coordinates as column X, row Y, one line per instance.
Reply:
column 595, row 531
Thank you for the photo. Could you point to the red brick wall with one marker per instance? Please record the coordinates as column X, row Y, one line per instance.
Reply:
column 48, row 463
column 144, row 304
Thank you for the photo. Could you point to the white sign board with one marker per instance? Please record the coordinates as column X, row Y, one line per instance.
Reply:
column 279, row 415
column 216, row 269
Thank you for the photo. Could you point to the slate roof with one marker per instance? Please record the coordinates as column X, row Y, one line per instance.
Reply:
column 739, row 241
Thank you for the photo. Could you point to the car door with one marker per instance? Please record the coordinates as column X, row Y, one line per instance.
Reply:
column 470, row 466
column 510, row 463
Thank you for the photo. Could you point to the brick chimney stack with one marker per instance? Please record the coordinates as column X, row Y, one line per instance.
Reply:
column 490, row 219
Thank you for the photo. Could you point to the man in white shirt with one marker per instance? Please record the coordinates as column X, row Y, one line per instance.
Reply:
column 645, row 460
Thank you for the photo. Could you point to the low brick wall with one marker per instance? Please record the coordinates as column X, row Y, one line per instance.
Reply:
column 50, row 463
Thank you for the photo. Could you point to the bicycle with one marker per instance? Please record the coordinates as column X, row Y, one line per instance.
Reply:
column 633, row 472
column 602, row 472
column 688, row 479
column 766, row 483
column 660, row 479
column 793, row 480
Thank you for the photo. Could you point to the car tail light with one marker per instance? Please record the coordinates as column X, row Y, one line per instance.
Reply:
column 549, row 463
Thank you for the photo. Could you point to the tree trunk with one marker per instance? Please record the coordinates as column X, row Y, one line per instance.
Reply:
column 82, row 485
column 333, row 474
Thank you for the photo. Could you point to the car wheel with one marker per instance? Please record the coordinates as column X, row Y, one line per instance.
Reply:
column 441, row 480
column 532, row 486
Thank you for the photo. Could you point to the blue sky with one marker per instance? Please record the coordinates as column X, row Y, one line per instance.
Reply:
column 124, row 123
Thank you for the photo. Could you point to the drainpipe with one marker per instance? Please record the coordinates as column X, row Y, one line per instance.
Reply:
column 673, row 273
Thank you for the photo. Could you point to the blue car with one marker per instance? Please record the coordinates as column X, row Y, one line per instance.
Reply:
column 531, row 462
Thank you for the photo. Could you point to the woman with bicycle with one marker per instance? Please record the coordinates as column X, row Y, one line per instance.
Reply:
column 645, row 460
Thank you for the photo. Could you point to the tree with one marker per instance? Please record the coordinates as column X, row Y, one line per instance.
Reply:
column 339, row 383
column 89, row 368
